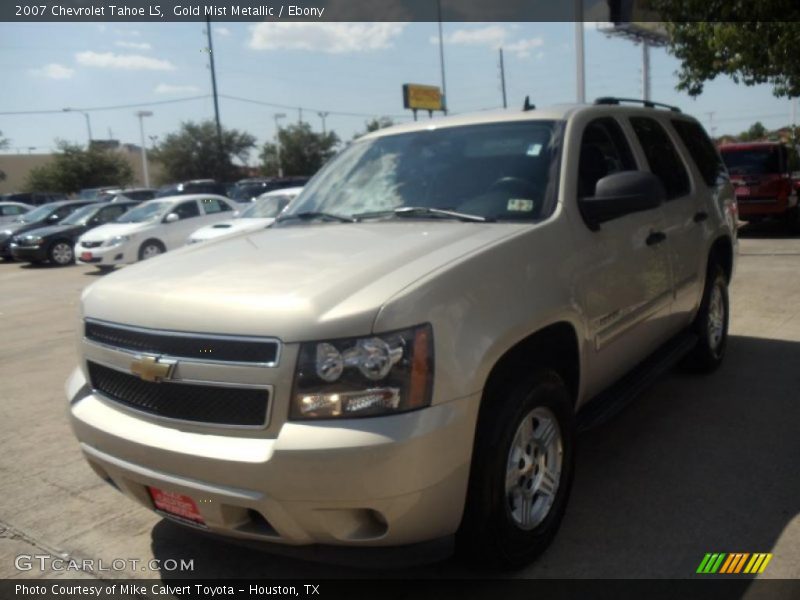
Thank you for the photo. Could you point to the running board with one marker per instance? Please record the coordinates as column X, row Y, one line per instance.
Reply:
column 611, row 401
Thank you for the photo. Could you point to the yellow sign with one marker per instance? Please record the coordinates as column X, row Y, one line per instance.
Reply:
column 422, row 97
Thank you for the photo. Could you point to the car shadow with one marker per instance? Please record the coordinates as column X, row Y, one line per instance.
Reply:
column 695, row 465
column 767, row 229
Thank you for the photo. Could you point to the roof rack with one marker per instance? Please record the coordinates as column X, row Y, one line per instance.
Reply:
column 646, row 103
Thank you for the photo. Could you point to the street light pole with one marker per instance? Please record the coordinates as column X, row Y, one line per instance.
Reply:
column 88, row 122
column 142, row 114
column 323, row 115
column 580, row 67
column 278, row 116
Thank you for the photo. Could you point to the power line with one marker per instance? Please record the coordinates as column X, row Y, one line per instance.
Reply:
column 290, row 107
column 97, row 108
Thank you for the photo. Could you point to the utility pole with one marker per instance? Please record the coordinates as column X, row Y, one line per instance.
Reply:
column 645, row 70
column 214, row 89
column 503, row 79
column 711, row 127
column 299, row 115
column 580, row 67
column 277, row 117
column 441, row 56
column 323, row 115
column 142, row 114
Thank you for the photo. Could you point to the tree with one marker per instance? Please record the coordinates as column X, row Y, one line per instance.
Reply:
column 374, row 125
column 3, row 146
column 74, row 168
column 756, row 132
column 302, row 151
column 193, row 152
column 752, row 42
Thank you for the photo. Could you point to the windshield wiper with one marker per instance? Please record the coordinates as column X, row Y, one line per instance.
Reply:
column 415, row 211
column 310, row 215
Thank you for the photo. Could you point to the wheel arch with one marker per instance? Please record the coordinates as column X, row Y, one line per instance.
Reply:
column 554, row 346
column 721, row 251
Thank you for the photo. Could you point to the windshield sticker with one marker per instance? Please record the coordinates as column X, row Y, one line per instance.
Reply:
column 519, row 205
column 534, row 150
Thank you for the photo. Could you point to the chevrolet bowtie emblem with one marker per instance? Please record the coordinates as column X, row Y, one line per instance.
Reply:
column 149, row 368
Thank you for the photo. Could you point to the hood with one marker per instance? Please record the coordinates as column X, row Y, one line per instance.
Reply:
column 56, row 229
column 231, row 227
column 110, row 230
column 296, row 283
column 17, row 228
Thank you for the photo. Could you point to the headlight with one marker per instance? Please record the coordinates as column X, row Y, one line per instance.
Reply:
column 31, row 240
column 364, row 377
column 117, row 240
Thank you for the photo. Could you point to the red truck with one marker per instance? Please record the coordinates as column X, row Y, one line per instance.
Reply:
column 762, row 180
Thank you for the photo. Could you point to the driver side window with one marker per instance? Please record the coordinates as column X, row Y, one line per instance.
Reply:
column 187, row 210
column 604, row 151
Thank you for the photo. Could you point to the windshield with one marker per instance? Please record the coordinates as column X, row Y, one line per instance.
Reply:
column 755, row 161
column 247, row 191
column 146, row 212
column 498, row 171
column 37, row 214
column 80, row 216
column 266, row 208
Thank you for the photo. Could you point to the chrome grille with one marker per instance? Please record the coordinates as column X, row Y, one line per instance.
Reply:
column 206, row 347
column 204, row 404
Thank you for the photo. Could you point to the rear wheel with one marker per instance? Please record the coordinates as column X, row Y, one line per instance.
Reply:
column 521, row 474
column 711, row 324
column 151, row 249
column 61, row 254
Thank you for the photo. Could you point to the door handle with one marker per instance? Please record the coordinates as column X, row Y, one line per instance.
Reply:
column 700, row 217
column 656, row 237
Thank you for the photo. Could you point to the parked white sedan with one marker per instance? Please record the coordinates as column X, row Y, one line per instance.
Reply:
column 150, row 229
column 11, row 211
column 258, row 215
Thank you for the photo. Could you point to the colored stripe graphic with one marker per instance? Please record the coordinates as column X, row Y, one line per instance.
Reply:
column 734, row 563
column 711, row 563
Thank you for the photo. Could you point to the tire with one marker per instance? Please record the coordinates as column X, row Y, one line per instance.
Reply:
column 508, row 469
column 151, row 249
column 61, row 253
column 792, row 221
column 711, row 324
column 105, row 268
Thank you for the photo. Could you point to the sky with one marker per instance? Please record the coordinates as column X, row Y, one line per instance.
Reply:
column 354, row 68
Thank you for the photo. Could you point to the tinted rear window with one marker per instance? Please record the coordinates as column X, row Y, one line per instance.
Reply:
column 752, row 161
column 701, row 149
column 664, row 160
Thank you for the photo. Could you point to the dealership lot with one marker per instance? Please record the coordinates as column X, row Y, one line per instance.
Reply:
column 696, row 465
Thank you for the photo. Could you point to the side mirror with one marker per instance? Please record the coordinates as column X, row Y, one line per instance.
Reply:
column 93, row 222
column 621, row 194
column 235, row 214
column 54, row 218
column 171, row 218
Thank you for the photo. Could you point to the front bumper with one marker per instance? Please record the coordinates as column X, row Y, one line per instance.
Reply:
column 104, row 255
column 29, row 253
column 367, row 482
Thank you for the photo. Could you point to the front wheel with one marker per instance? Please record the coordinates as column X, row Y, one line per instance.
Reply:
column 521, row 474
column 61, row 254
column 151, row 249
column 711, row 324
